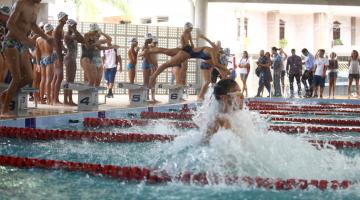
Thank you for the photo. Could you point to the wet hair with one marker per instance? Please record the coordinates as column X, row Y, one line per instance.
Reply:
column 304, row 50
column 223, row 87
column 293, row 50
column 274, row 49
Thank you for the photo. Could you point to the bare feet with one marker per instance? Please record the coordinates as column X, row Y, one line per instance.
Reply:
column 70, row 104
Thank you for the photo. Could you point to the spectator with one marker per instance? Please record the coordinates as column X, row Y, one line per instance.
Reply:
column 276, row 65
column 333, row 67
column 112, row 63
column 308, row 73
column 284, row 57
column 354, row 71
column 264, row 64
column 321, row 65
column 294, row 69
column 244, row 66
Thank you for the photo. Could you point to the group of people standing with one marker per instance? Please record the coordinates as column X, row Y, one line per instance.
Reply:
column 35, row 54
column 312, row 76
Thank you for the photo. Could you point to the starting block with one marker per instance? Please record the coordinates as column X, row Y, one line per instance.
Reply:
column 138, row 93
column 19, row 102
column 176, row 92
column 88, row 97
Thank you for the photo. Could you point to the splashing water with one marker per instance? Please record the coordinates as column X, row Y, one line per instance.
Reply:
column 249, row 149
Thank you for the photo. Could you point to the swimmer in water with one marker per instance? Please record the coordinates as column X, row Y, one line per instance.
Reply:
column 228, row 94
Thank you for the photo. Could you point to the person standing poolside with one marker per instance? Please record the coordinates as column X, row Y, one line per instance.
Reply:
column 294, row 70
column 146, row 64
column 265, row 75
column 333, row 67
column 4, row 16
column 276, row 66
column 71, row 39
column 131, row 66
column 321, row 65
column 112, row 64
column 15, row 47
column 154, row 65
column 59, row 64
column 45, row 59
column 284, row 57
column 308, row 73
column 244, row 66
column 354, row 72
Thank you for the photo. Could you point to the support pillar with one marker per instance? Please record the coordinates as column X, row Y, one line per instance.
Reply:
column 273, row 32
column 321, row 32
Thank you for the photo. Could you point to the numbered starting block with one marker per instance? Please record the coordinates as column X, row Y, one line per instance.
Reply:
column 176, row 92
column 19, row 102
column 88, row 97
column 138, row 93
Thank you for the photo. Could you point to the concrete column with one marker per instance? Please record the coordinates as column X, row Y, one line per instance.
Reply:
column 192, row 11
column 201, row 7
column 44, row 13
column 272, row 21
column 321, row 32
column 353, row 31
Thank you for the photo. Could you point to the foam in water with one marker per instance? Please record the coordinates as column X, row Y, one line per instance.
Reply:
column 249, row 149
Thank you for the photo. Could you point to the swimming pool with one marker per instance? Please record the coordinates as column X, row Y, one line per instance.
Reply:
column 255, row 152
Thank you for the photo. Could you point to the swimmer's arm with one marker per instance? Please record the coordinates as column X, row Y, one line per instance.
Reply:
column 131, row 55
column 207, row 40
column 212, row 129
column 216, row 63
column 79, row 38
column 37, row 52
column 108, row 38
column 119, row 60
column 108, row 47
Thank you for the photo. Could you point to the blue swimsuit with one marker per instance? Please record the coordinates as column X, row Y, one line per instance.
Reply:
column 200, row 54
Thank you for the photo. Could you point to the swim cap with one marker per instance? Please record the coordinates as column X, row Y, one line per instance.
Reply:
column 188, row 25
column 61, row 15
column 71, row 22
column 133, row 40
column 155, row 39
column 94, row 27
column 5, row 10
column 48, row 28
column 41, row 24
column 148, row 36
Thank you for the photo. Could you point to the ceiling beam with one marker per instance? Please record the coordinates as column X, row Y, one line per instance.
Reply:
column 313, row 2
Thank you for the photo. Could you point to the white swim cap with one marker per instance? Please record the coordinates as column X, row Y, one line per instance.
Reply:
column 48, row 28
column 5, row 10
column 155, row 39
column 94, row 27
column 133, row 40
column 61, row 15
column 148, row 36
column 188, row 25
column 71, row 22
column 41, row 24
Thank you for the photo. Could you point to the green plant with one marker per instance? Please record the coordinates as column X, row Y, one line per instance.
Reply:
column 337, row 42
column 283, row 43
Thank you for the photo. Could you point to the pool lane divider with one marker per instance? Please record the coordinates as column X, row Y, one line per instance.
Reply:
column 153, row 176
column 323, row 105
column 188, row 117
column 299, row 109
column 49, row 135
column 291, row 129
column 44, row 134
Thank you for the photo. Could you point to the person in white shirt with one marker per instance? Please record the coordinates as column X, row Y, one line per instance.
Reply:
column 112, row 63
column 354, row 72
column 244, row 66
column 321, row 65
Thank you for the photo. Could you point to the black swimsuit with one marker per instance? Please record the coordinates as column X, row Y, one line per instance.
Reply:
column 200, row 54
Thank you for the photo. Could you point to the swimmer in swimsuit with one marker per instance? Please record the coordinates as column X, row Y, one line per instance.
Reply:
column 22, row 21
column 45, row 59
column 132, row 55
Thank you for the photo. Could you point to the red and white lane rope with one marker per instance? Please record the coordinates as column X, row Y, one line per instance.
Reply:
column 325, row 105
column 128, row 173
column 341, row 122
column 44, row 134
column 271, row 108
